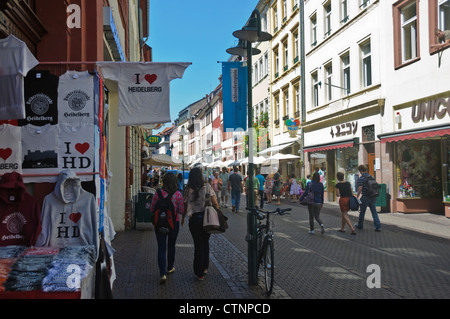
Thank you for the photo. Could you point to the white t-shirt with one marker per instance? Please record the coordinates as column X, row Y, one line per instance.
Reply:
column 76, row 148
column 76, row 97
column 10, row 149
column 15, row 62
column 40, row 153
column 144, row 89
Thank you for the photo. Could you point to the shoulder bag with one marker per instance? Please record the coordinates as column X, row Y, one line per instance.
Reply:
column 214, row 222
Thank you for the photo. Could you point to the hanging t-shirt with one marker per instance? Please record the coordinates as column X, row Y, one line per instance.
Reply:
column 76, row 148
column 40, row 153
column 144, row 89
column 76, row 97
column 10, row 149
column 15, row 62
column 41, row 96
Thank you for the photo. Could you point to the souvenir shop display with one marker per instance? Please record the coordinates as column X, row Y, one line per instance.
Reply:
column 16, row 61
column 140, row 85
column 69, row 215
column 20, row 213
column 41, row 99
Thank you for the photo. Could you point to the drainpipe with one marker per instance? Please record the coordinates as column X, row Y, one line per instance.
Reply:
column 128, row 201
column 302, row 82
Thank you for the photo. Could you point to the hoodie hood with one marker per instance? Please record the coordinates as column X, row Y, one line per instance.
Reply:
column 12, row 188
column 68, row 186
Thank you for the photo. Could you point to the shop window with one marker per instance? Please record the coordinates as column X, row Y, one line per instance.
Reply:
column 446, row 170
column 318, row 163
column 347, row 163
column 418, row 169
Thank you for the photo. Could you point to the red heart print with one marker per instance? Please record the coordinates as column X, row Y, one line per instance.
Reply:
column 150, row 78
column 5, row 153
column 75, row 217
column 82, row 148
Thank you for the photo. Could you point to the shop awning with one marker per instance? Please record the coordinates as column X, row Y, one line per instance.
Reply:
column 415, row 134
column 318, row 148
column 276, row 148
column 161, row 160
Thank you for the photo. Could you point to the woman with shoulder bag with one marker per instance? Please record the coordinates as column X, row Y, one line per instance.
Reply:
column 194, row 207
column 344, row 192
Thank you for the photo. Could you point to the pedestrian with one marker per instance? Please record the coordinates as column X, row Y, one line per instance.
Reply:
column 166, row 241
column 216, row 184
column 180, row 182
column 276, row 189
column 366, row 200
column 224, row 176
column 344, row 192
column 235, row 186
column 316, row 187
column 254, row 190
column 194, row 207
column 268, row 188
column 295, row 189
column 262, row 181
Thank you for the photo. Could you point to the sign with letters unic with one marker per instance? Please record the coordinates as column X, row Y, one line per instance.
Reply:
column 234, row 88
column 430, row 109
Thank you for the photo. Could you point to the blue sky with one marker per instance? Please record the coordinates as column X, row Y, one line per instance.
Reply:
column 197, row 31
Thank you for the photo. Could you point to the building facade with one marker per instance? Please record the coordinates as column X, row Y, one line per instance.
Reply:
column 345, row 89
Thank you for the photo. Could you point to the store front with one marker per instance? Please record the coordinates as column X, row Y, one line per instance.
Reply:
column 421, row 174
column 419, row 150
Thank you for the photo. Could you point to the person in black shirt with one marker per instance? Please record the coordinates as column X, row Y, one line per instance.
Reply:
column 344, row 191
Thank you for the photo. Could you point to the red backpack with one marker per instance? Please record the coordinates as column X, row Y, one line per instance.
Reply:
column 165, row 216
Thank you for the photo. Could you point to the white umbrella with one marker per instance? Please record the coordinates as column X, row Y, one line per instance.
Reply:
column 280, row 156
column 256, row 160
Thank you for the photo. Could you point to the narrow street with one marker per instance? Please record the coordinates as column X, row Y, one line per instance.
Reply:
column 412, row 263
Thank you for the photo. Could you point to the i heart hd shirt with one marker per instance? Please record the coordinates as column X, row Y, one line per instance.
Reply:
column 144, row 89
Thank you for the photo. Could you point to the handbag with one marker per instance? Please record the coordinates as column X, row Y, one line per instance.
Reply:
column 353, row 203
column 214, row 222
column 307, row 197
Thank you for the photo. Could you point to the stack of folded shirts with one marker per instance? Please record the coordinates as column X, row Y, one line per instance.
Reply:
column 30, row 269
column 69, row 268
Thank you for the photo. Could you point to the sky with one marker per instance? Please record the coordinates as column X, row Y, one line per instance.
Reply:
column 197, row 31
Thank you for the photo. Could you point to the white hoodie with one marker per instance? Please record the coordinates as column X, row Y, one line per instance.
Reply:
column 69, row 215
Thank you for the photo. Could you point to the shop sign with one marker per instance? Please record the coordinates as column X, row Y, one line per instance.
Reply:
column 431, row 109
column 292, row 126
column 345, row 129
column 153, row 139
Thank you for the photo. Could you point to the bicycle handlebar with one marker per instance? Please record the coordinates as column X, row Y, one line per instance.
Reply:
column 276, row 211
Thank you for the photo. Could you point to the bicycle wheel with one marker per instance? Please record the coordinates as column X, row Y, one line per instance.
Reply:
column 268, row 265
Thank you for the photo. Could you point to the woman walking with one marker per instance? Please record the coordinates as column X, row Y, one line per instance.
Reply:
column 194, row 206
column 166, row 241
column 344, row 191
column 316, row 187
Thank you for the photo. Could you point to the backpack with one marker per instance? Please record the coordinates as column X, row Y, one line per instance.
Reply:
column 164, row 216
column 372, row 187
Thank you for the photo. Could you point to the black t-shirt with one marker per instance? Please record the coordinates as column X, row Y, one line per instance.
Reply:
column 345, row 189
column 235, row 181
column 41, row 98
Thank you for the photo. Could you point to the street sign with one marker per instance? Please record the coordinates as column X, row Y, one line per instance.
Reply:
column 153, row 139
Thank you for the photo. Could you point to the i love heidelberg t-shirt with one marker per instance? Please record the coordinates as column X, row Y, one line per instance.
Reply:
column 144, row 89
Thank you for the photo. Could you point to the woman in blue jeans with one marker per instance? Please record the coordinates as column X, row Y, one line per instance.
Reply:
column 166, row 241
column 194, row 206
column 314, row 209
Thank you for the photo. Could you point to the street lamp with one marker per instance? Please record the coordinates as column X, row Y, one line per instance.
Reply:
column 250, row 33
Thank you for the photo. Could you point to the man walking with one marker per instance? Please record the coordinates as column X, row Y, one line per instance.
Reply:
column 368, row 199
column 235, row 185
column 261, row 180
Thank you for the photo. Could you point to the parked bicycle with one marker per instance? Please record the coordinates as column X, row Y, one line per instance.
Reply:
column 265, row 245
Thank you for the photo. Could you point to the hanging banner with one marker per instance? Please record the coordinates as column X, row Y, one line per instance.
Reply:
column 234, row 88
column 144, row 89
